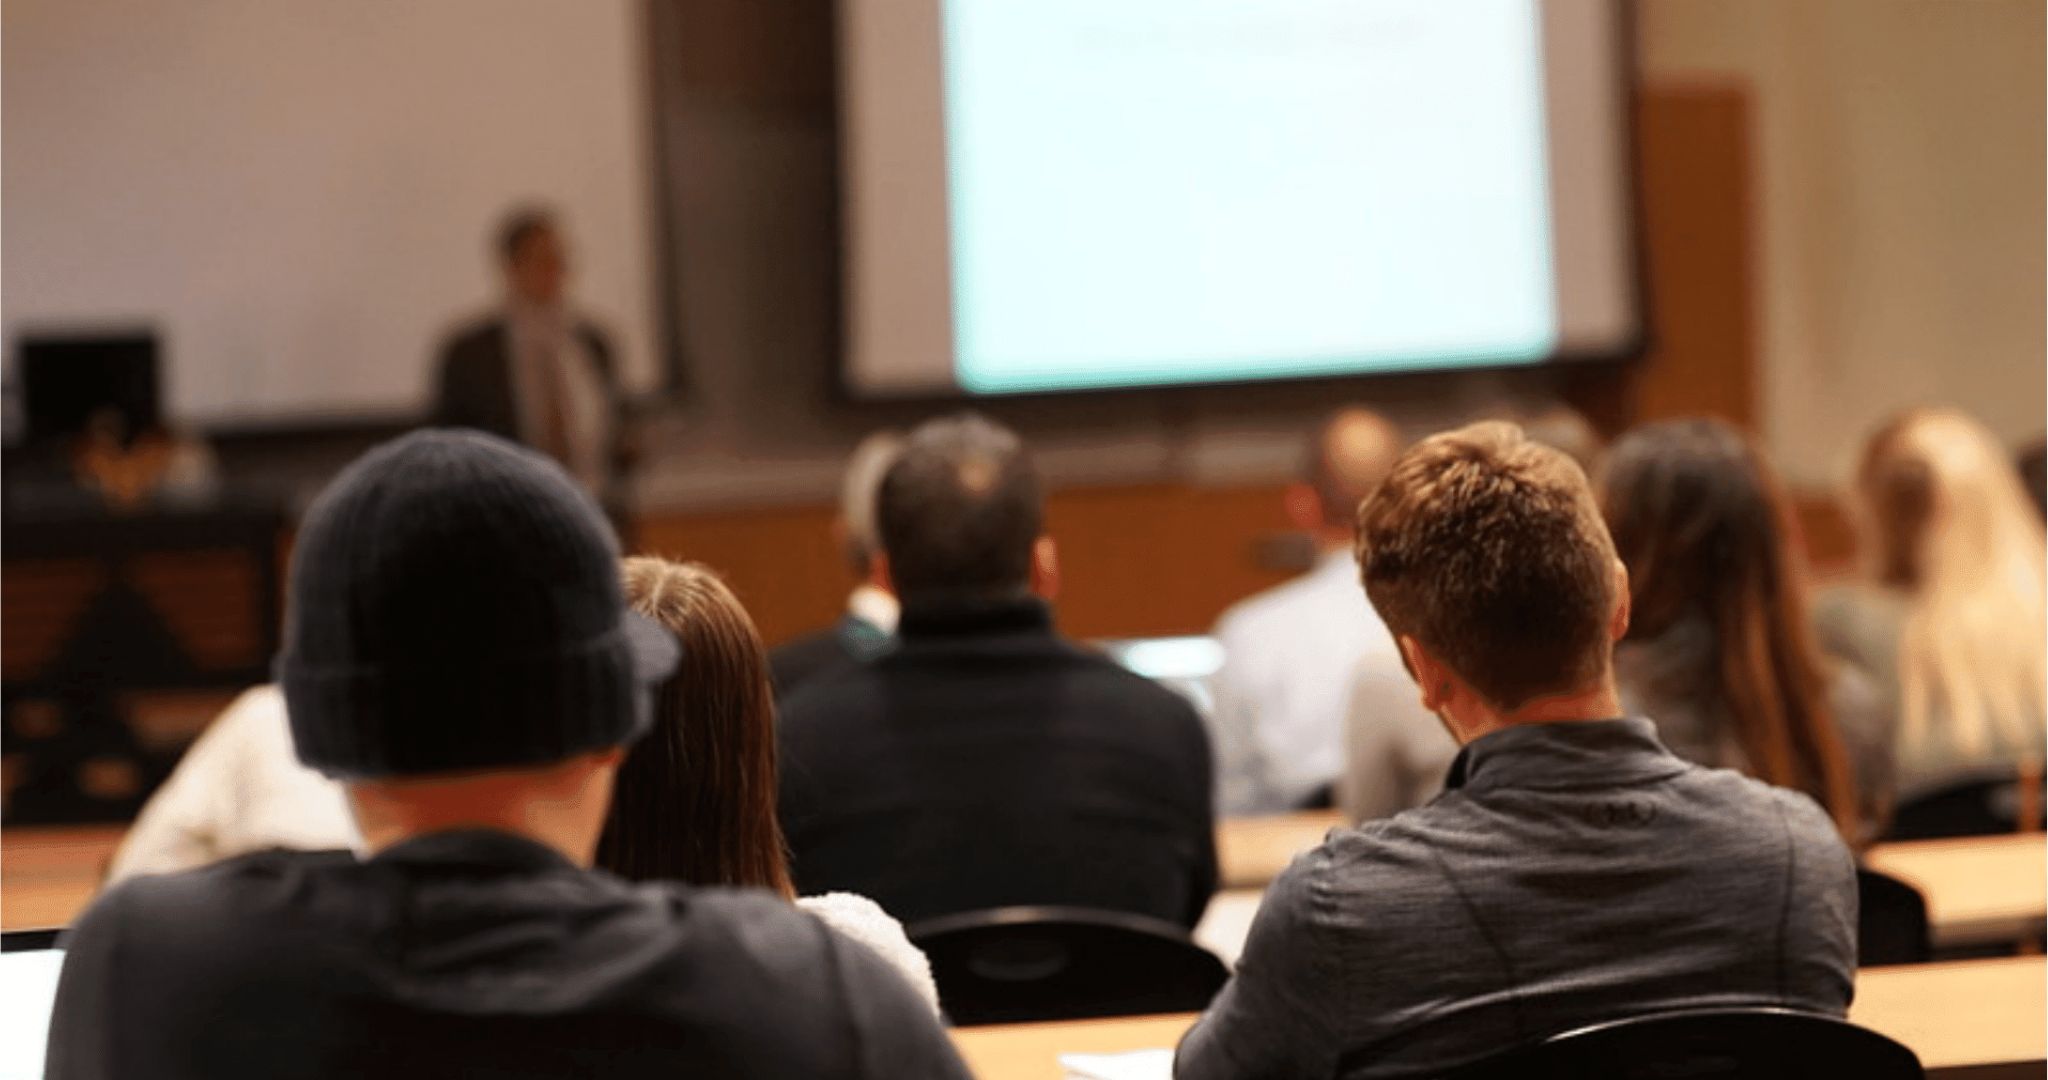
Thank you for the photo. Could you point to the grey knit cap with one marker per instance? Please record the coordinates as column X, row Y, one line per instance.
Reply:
column 455, row 605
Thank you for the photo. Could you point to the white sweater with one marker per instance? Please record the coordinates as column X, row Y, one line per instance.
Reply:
column 241, row 788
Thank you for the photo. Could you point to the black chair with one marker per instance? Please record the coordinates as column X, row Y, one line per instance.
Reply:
column 1707, row 1044
column 1015, row 964
column 1987, row 806
column 1891, row 927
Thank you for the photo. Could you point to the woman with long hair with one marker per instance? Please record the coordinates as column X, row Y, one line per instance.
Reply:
column 1719, row 651
column 1948, row 618
column 695, row 799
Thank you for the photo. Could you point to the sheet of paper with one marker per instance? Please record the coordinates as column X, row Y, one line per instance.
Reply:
column 1135, row 1065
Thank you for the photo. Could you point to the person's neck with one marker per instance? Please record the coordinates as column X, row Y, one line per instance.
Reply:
column 390, row 815
column 1602, row 701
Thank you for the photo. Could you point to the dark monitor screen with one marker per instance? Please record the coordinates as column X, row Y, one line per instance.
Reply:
column 67, row 379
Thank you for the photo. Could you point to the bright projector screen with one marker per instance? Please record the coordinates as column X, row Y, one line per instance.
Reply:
column 1048, row 195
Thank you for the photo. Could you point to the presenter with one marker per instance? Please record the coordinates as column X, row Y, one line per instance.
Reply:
column 536, row 370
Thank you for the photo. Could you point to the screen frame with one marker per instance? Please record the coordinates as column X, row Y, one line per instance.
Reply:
column 1627, row 350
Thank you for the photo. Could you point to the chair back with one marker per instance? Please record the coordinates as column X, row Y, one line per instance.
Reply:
column 1016, row 964
column 1707, row 1044
column 1987, row 806
column 1891, row 925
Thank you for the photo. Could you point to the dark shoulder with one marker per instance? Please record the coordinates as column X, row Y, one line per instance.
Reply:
column 475, row 341
column 208, row 903
column 1094, row 671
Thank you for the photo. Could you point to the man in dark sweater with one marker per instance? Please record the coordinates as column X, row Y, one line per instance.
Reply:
column 458, row 653
column 1574, row 870
column 986, row 761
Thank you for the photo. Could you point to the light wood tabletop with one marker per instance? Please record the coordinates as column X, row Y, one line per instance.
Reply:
column 1251, row 852
column 47, row 874
column 1962, row 1018
column 1979, row 889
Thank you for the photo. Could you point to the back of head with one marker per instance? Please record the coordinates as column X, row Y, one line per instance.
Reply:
column 1347, row 458
column 858, row 491
column 1946, row 520
column 959, row 512
column 1701, row 523
column 695, row 800
column 1487, row 549
column 454, row 606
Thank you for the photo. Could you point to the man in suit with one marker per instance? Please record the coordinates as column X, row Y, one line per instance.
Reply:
column 537, row 371
column 868, row 627
column 986, row 761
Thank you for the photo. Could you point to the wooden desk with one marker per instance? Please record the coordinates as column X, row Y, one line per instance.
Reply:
column 47, row 874
column 1980, row 889
column 1972, row 1018
column 1251, row 852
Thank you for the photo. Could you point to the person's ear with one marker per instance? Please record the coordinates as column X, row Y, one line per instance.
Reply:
column 1431, row 677
column 1304, row 507
column 1045, row 568
column 1617, row 623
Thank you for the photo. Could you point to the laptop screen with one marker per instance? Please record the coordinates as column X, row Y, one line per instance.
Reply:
column 1181, row 664
column 28, row 987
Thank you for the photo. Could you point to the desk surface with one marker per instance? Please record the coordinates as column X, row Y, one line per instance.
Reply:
column 1250, row 852
column 1979, row 889
column 1956, row 1016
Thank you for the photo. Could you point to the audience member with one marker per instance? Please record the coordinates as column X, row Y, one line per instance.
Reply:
column 695, row 800
column 239, row 788
column 1574, row 870
column 986, row 761
column 869, row 625
column 1948, row 620
column 1720, row 646
column 458, row 653
column 1289, row 652
column 538, row 371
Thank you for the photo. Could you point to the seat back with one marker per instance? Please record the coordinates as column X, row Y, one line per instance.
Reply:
column 1891, row 925
column 1707, row 1044
column 1015, row 964
column 1988, row 806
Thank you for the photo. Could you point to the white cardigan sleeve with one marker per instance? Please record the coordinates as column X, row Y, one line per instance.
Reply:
column 863, row 920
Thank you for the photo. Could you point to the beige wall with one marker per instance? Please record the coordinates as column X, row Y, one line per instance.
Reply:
column 1900, row 218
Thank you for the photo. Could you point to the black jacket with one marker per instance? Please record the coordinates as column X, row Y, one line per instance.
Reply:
column 474, row 386
column 852, row 640
column 987, row 762
column 470, row 954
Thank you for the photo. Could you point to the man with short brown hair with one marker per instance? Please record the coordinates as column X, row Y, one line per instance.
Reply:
column 1574, row 871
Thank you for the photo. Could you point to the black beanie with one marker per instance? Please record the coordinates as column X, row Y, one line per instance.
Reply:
column 454, row 605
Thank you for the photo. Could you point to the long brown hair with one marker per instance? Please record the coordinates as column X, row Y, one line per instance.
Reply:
column 695, row 798
column 1701, row 523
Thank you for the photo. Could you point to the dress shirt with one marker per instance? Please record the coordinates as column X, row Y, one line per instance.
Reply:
column 1289, row 654
column 547, row 357
column 1570, row 873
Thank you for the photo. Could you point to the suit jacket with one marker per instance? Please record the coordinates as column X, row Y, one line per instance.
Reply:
column 852, row 640
column 474, row 387
column 987, row 762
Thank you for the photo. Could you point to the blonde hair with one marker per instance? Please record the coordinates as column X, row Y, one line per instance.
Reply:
column 1948, row 524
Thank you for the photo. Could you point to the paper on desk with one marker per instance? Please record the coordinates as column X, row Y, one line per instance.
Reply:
column 1135, row 1065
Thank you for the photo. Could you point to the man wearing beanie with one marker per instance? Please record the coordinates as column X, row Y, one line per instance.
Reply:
column 457, row 652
